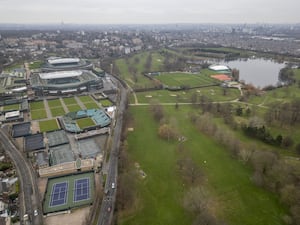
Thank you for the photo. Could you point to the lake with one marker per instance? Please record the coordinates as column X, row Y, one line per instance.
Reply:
column 259, row 72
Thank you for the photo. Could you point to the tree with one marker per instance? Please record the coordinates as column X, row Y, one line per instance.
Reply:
column 189, row 170
column 196, row 200
column 298, row 148
column 235, row 74
column 157, row 111
column 287, row 142
column 166, row 131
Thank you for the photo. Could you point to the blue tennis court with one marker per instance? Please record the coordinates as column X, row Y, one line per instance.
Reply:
column 81, row 189
column 59, row 194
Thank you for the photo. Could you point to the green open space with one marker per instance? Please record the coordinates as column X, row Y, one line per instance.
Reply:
column 106, row 102
column 37, row 105
column 70, row 203
column 73, row 108
column 91, row 105
column 11, row 107
column 215, row 93
column 57, row 111
column 48, row 125
column 38, row 114
column 70, row 101
column 85, row 122
column 54, row 103
column 160, row 194
column 185, row 79
column 35, row 65
column 85, row 98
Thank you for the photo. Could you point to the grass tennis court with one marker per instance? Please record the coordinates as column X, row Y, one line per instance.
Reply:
column 74, row 108
column 85, row 98
column 38, row 110
column 91, row 105
column 106, row 103
column 68, row 192
column 70, row 101
column 38, row 114
column 54, row 103
column 48, row 125
column 57, row 111
column 11, row 107
column 37, row 105
column 85, row 122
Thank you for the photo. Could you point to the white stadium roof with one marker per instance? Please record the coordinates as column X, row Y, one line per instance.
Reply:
column 60, row 74
column 63, row 60
column 218, row 67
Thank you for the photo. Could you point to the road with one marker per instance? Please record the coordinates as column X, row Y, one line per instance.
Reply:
column 29, row 188
column 108, row 202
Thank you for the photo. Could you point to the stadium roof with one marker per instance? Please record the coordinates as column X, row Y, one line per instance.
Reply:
column 218, row 67
column 63, row 60
column 60, row 74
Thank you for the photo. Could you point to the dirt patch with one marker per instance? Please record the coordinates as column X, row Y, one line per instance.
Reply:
column 76, row 217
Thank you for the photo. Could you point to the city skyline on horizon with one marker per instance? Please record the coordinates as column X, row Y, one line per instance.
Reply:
column 149, row 12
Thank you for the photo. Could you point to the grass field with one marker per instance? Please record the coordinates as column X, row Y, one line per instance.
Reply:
column 73, row 108
column 85, row 98
column 106, row 103
column 35, row 65
column 54, row 103
column 70, row 101
column 38, row 114
column 214, row 93
column 37, row 105
column 48, row 125
column 91, row 105
column 85, row 122
column 11, row 107
column 185, row 79
column 57, row 111
column 236, row 199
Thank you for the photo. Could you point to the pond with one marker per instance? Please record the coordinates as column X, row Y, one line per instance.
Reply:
column 259, row 72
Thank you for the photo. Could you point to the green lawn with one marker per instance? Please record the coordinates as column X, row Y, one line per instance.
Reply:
column 185, row 79
column 85, row 98
column 91, row 105
column 85, row 122
column 70, row 101
column 35, row 65
column 11, row 107
column 57, row 111
column 106, row 103
column 73, row 108
column 38, row 114
column 214, row 93
column 37, row 105
column 48, row 125
column 237, row 199
column 54, row 103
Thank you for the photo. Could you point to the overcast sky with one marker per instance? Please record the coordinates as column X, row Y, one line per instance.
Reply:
column 149, row 11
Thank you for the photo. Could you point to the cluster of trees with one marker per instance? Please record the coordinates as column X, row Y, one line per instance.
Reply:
column 287, row 76
column 285, row 113
column 270, row 170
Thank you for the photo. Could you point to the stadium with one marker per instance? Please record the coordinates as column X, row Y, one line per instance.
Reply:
column 64, row 82
column 58, row 64
column 84, row 120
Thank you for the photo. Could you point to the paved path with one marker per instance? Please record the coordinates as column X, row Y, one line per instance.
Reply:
column 49, row 114
column 79, row 102
column 64, row 105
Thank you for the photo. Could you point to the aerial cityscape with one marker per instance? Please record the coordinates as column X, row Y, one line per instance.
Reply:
column 146, row 112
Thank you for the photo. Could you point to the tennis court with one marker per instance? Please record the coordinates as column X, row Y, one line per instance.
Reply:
column 59, row 194
column 64, row 193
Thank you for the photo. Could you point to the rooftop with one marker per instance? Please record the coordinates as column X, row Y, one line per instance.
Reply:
column 60, row 74
column 63, row 60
